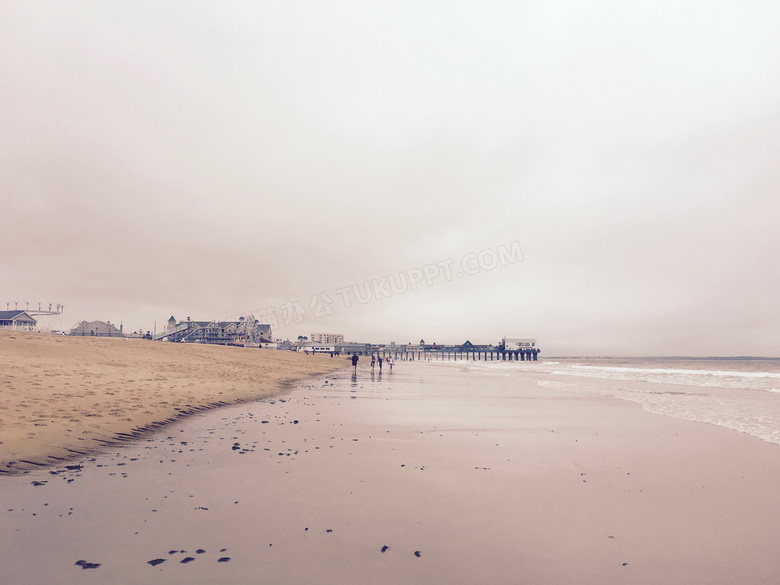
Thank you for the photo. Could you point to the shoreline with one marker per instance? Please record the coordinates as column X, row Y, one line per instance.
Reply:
column 423, row 475
column 64, row 397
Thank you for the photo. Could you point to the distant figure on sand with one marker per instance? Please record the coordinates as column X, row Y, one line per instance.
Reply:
column 390, row 362
column 354, row 363
column 380, row 364
column 373, row 361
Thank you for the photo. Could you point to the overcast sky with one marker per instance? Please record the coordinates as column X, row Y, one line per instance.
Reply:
column 214, row 159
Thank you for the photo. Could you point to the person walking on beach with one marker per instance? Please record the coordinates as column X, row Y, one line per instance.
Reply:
column 354, row 363
column 380, row 364
column 390, row 362
column 373, row 361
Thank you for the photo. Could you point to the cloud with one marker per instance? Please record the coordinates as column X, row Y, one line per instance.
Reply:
column 215, row 159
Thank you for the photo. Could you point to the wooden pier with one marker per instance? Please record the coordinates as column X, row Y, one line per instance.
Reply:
column 413, row 354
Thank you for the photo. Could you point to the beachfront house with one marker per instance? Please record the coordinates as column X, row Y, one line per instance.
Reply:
column 18, row 320
column 96, row 329
column 245, row 331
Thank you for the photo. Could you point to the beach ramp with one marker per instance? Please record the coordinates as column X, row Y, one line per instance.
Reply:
column 168, row 332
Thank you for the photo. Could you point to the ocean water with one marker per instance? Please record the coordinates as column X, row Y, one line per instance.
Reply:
column 738, row 394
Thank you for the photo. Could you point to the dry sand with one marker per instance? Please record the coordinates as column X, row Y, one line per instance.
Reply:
column 62, row 396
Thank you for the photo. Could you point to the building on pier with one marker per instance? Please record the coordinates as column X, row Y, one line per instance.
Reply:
column 517, row 343
column 468, row 346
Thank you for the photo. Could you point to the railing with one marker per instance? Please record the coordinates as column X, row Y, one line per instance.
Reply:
column 168, row 332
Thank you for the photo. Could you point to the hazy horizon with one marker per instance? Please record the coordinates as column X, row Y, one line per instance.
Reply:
column 597, row 176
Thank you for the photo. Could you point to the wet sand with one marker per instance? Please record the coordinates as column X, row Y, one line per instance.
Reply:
column 426, row 475
column 63, row 397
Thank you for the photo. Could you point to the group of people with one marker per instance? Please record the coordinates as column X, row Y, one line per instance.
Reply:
column 374, row 359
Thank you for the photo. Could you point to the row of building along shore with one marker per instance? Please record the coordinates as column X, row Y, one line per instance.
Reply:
column 249, row 332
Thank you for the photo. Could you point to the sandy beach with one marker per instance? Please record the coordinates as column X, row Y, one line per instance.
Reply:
column 63, row 397
column 408, row 477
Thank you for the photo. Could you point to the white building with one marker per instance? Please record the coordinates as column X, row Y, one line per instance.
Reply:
column 327, row 338
column 513, row 343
